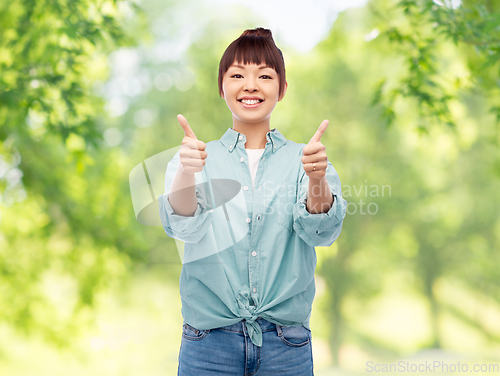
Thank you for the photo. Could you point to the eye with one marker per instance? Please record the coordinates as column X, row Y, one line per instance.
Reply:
column 234, row 75
column 267, row 77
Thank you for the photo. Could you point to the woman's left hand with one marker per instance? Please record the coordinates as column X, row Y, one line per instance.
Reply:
column 314, row 158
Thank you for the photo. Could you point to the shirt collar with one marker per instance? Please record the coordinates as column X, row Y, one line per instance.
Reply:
column 231, row 138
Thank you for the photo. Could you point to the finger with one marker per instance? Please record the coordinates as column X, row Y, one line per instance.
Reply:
column 319, row 132
column 192, row 143
column 316, row 174
column 313, row 148
column 318, row 166
column 191, row 170
column 185, row 126
column 193, row 153
column 314, row 158
column 193, row 162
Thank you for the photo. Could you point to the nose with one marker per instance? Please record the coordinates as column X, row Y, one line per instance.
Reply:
column 251, row 85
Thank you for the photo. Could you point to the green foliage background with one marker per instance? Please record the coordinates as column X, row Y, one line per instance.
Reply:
column 89, row 89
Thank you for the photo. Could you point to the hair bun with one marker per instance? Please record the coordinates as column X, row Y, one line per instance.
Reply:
column 259, row 32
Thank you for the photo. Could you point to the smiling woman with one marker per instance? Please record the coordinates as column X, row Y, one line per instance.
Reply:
column 247, row 280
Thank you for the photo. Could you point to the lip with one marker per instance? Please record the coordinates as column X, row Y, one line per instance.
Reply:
column 250, row 105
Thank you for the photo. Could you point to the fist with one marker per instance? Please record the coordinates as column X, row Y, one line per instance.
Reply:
column 314, row 158
column 192, row 153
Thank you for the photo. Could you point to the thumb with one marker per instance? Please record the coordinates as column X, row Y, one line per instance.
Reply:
column 319, row 132
column 188, row 132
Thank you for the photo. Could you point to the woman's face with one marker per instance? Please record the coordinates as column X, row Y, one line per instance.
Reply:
column 251, row 91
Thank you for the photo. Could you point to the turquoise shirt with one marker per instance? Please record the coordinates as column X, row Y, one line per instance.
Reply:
column 251, row 255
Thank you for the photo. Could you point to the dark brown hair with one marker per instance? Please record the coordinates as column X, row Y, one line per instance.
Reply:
column 254, row 46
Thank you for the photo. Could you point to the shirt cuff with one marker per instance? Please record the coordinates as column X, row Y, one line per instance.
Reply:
column 322, row 227
column 185, row 228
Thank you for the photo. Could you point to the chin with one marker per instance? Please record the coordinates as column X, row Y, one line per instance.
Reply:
column 251, row 120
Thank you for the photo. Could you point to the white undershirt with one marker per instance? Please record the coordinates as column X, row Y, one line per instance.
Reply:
column 253, row 161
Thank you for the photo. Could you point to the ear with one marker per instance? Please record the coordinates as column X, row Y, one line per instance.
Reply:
column 284, row 91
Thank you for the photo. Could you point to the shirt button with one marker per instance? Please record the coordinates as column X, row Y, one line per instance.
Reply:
column 254, row 289
column 258, row 217
column 263, row 158
column 248, row 220
column 231, row 147
column 240, row 137
column 245, row 188
column 242, row 159
column 259, row 187
column 254, row 253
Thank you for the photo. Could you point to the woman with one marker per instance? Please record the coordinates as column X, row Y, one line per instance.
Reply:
column 250, row 208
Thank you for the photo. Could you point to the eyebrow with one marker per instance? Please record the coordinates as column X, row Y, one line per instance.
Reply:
column 242, row 67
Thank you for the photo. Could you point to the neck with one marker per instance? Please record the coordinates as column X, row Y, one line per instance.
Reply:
column 255, row 133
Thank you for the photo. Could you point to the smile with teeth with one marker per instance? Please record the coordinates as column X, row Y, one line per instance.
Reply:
column 250, row 101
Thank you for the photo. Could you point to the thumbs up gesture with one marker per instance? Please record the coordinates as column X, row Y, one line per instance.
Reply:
column 192, row 153
column 314, row 158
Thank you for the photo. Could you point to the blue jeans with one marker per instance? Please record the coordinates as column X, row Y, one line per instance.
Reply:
column 286, row 350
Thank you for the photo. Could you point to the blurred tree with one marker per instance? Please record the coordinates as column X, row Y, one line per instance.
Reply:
column 439, row 223
column 418, row 30
column 49, row 54
column 416, row 226
column 61, row 227
column 68, row 232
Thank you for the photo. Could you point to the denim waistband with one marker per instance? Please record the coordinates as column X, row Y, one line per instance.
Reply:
column 263, row 323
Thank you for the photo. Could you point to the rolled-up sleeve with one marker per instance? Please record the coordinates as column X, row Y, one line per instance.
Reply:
column 319, row 230
column 189, row 229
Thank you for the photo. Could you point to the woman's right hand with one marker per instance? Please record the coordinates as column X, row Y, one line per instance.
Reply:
column 192, row 153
